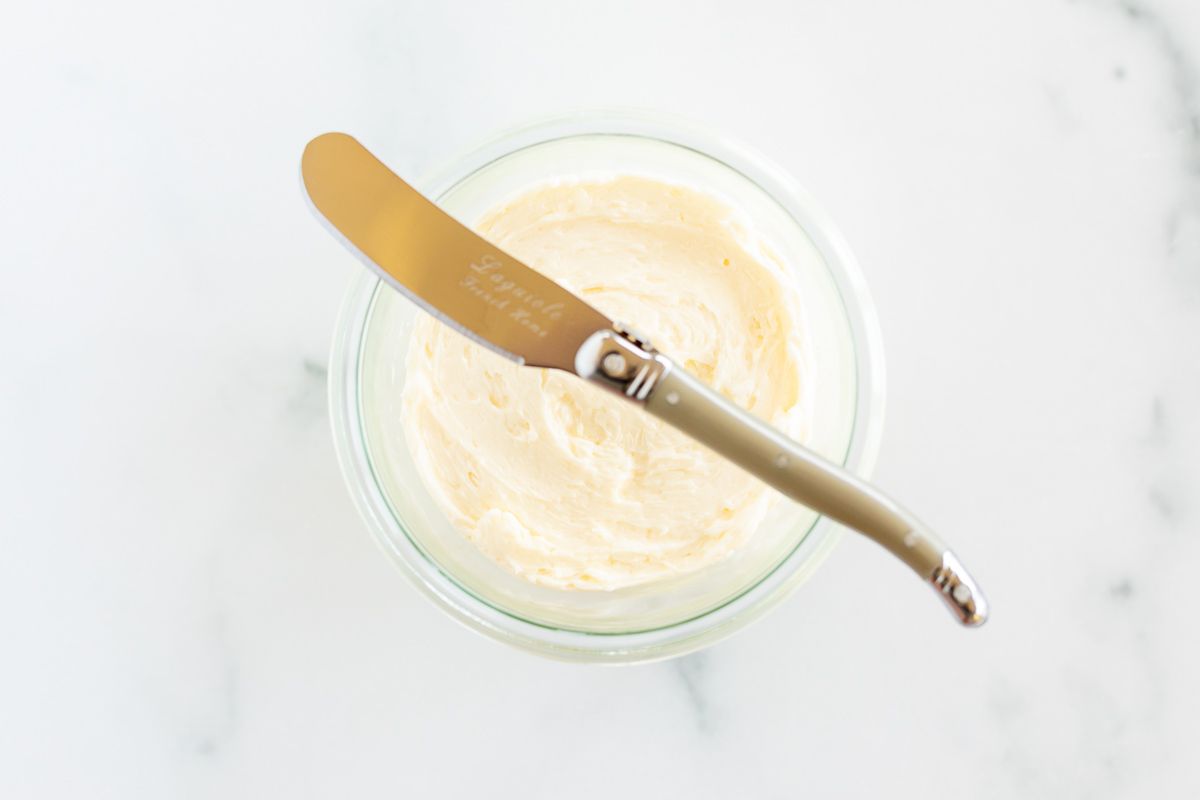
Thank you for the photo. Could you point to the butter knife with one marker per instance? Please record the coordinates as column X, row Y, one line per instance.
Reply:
column 504, row 305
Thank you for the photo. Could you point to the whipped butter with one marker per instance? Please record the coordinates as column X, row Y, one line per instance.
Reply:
column 570, row 487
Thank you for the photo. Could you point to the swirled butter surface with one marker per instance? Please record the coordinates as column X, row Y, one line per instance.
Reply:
column 564, row 484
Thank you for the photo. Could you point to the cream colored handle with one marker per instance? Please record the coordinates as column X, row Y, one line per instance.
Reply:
column 684, row 402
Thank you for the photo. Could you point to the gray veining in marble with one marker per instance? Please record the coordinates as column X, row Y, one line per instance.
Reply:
column 692, row 671
column 1183, row 221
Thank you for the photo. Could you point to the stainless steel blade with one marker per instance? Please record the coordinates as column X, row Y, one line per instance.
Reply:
column 441, row 264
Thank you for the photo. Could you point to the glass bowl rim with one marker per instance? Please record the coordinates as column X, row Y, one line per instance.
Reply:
column 716, row 623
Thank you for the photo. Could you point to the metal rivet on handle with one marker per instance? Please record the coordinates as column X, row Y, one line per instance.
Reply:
column 614, row 365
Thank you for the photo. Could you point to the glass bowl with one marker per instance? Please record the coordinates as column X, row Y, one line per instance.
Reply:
column 663, row 618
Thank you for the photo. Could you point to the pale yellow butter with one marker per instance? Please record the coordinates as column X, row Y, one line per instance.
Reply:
column 556, row 480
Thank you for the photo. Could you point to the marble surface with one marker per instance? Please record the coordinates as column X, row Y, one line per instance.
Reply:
column 189, row 606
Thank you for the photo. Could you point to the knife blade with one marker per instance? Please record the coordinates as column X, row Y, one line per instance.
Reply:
column 440, row 264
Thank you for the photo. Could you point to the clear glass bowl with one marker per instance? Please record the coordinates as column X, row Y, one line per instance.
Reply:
column 665, row 618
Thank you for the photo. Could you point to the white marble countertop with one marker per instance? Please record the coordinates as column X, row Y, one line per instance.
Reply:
column 189, row 606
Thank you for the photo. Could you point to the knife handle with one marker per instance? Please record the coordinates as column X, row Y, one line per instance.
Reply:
column 625, row 362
